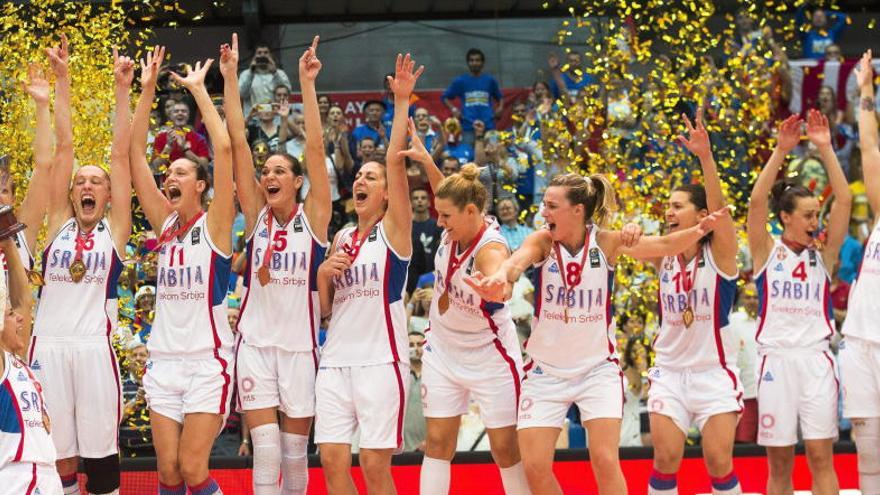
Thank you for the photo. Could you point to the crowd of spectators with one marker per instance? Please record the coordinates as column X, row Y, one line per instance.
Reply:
column 516, row 167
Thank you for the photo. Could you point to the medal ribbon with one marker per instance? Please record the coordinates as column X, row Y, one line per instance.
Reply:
column 455, row 261
column 169, row 234
column 83, row 242
column 270, row 217
column 353, row 249
column 580, row 267
column 687, row 280
column 796, row 246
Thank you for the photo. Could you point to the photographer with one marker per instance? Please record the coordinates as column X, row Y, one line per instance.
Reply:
column 258, row 82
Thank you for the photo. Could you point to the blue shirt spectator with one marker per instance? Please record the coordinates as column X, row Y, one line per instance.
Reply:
column 818, row 34
column 508, row 216
column 476, row 91
column 573, row 79
column 371, row 128
column 463, row 152
column 850, row 258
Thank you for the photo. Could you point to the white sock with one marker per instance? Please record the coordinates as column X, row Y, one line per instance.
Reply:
column 514, row 480
column 266, row 440
column 294, row 464
column 435, row 475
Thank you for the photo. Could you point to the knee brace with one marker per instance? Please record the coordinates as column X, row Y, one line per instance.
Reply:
column 866, row 433
column 103, row 474
column 267, row 454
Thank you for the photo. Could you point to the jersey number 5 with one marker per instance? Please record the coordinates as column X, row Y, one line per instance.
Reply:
column 800, row 272
column 279, row 240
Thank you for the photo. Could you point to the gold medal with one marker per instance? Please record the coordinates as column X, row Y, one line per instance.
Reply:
column 35, row 278
column 77, row 270
column 688, row 316
column 263, row 275
column 443, row 302
column 565, row 312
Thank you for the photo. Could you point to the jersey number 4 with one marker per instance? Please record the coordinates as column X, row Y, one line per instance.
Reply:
column 800, row 272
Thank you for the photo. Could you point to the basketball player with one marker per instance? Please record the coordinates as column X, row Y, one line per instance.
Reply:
column 277, row 357
column 362, row 379
column 797, row 384
column 188, row 377
column 860, row 350
column 573, row 358
column 71, row 353
column 27, row 454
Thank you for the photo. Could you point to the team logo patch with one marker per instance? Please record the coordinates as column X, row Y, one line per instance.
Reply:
column 373, row 234
column 768, row 377
column 768, row 421
column 264, row 233
column 667, row 264
column 665, row 278
column 101, row 227
column 656, row 405
column 36, row 365
column 842, row 345
column 17, row 364
column 537, row 371
column 594, row 258
column 779, row 267
column 297, row 224
column 780, row 253
column 22, row 377
column 654, row 373
column 427, row 348
column 196, row 236
column 470, row 267
column 149, row 365
column 526, row 404
column 554, row 268
column 247, row 384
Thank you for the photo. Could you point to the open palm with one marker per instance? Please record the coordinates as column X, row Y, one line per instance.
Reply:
column 789, row 133
column 864, row 72
column 817, row 129
column 195, row 77
column 150, row 66
column 123, row 69
column 37, row 85
column 59, row 57
column 697, row 139
column 405, row 78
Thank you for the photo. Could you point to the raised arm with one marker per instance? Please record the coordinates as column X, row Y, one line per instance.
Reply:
column 418, row 153
column 498, row 285
column 760, row 242
column 155, row 205
column 120, row 168
column 653, row 246
column 221, row 213
column 33, row 207
column 318, row 207
column 819, row 133
column 868, row 139
column 62, row 169
column 398, row 217
column 246, row 187
column 723, row 245
column 20, row 294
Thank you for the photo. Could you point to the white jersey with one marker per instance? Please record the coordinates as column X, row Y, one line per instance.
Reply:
column 285, row 313
column 709, row 342
column 469, row 321
column 86, row 308
column 191, row 287
column 24, row 421
column 794, row 293
column 24, row 253
column 572, row 348
column 864, row 303
column 368, row 325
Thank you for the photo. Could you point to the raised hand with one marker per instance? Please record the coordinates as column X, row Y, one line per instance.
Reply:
column 417, row 151
column 309, row 65
column 59, row 57
column 493, row 288
column 789, row 133
column 405, row 78
column 697, row 139
column 123, row 69
column 630, row 234
column 709, row 223
column 283, row 109
column 150, row 67
column 818, row 130
column 37, row 85
column 864, row 71
column 196, row 76
column 229, row 58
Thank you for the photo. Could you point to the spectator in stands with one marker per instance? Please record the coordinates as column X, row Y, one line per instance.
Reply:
column 476, row 91
column 296, row 142
column 324, row 104
column 145, row 303
column 372, row 127
column 388, row 100
column 499, row 170
column 747, row 31
column 508, row 216
column 366, row 152
column 179, row 141
column 336, row 139
column 633, row 363
column 258, row 82
column 833, row 53
column 571, row 78
column 425, row 123
column 270, row 125
column 455, row 145
column 449, row 165
column 744, row 327
column 425, row 237
column 135, row 437
column 815, row 31
column 843, row 135
column 414, row 424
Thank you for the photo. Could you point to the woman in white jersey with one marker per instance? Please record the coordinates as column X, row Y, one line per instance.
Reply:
column 573, row 358
column 694, row 379
column 364, row 370
column 27, row 454
column 188, row 378
column 860, row 350
column 277, row 356
column 797, row 383
column 71, row 352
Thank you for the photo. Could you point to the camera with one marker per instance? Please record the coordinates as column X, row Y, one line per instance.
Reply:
column 261, row 60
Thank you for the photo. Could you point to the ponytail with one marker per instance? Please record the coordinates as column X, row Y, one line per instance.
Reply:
column 784, row 196
column 594, row 192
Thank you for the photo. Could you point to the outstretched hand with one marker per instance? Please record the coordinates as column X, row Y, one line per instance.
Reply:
column 196, row 76
column 818, row 129
column 123, row 69
column 37, row 86
column 697, row 140
column 59, row 57
column 789, row 133
column 309, row 65
column 494, row 288
column 229, row 58
column 417, row 151
column 404, row 80
column 865, row 72
column 712, row 221
column 150, row 66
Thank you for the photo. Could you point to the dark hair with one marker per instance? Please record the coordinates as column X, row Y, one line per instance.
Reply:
column 367, row 138
column 375, row 102
column 475, row 51
column 696, row 193
column 292, row 162
column 262, row 44
column 325, row 95
column 202, row 174
column 333, row 105
column 594, row 192
column 419, row 188
column 784, row 196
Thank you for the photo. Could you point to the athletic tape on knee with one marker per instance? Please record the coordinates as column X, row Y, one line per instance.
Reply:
column 294, row 464
column 266, row 440
column 103, row 474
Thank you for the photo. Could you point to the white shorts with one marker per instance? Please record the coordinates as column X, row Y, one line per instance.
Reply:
column 492, row 374
column 546, row 398
column 796, row 389
column 27, row 478
column 369, row 398
column 81, row 388
column 692, row 397
column 272, row 377
column 860, row 378
column 177, row 387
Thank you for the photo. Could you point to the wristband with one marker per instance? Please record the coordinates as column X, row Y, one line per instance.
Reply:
column 867, row 103
column 245, row 441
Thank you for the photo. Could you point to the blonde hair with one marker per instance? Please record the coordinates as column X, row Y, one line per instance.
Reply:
column 464, row 188
column 594, row 192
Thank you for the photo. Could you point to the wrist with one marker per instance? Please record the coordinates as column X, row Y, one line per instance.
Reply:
column 245, row 441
